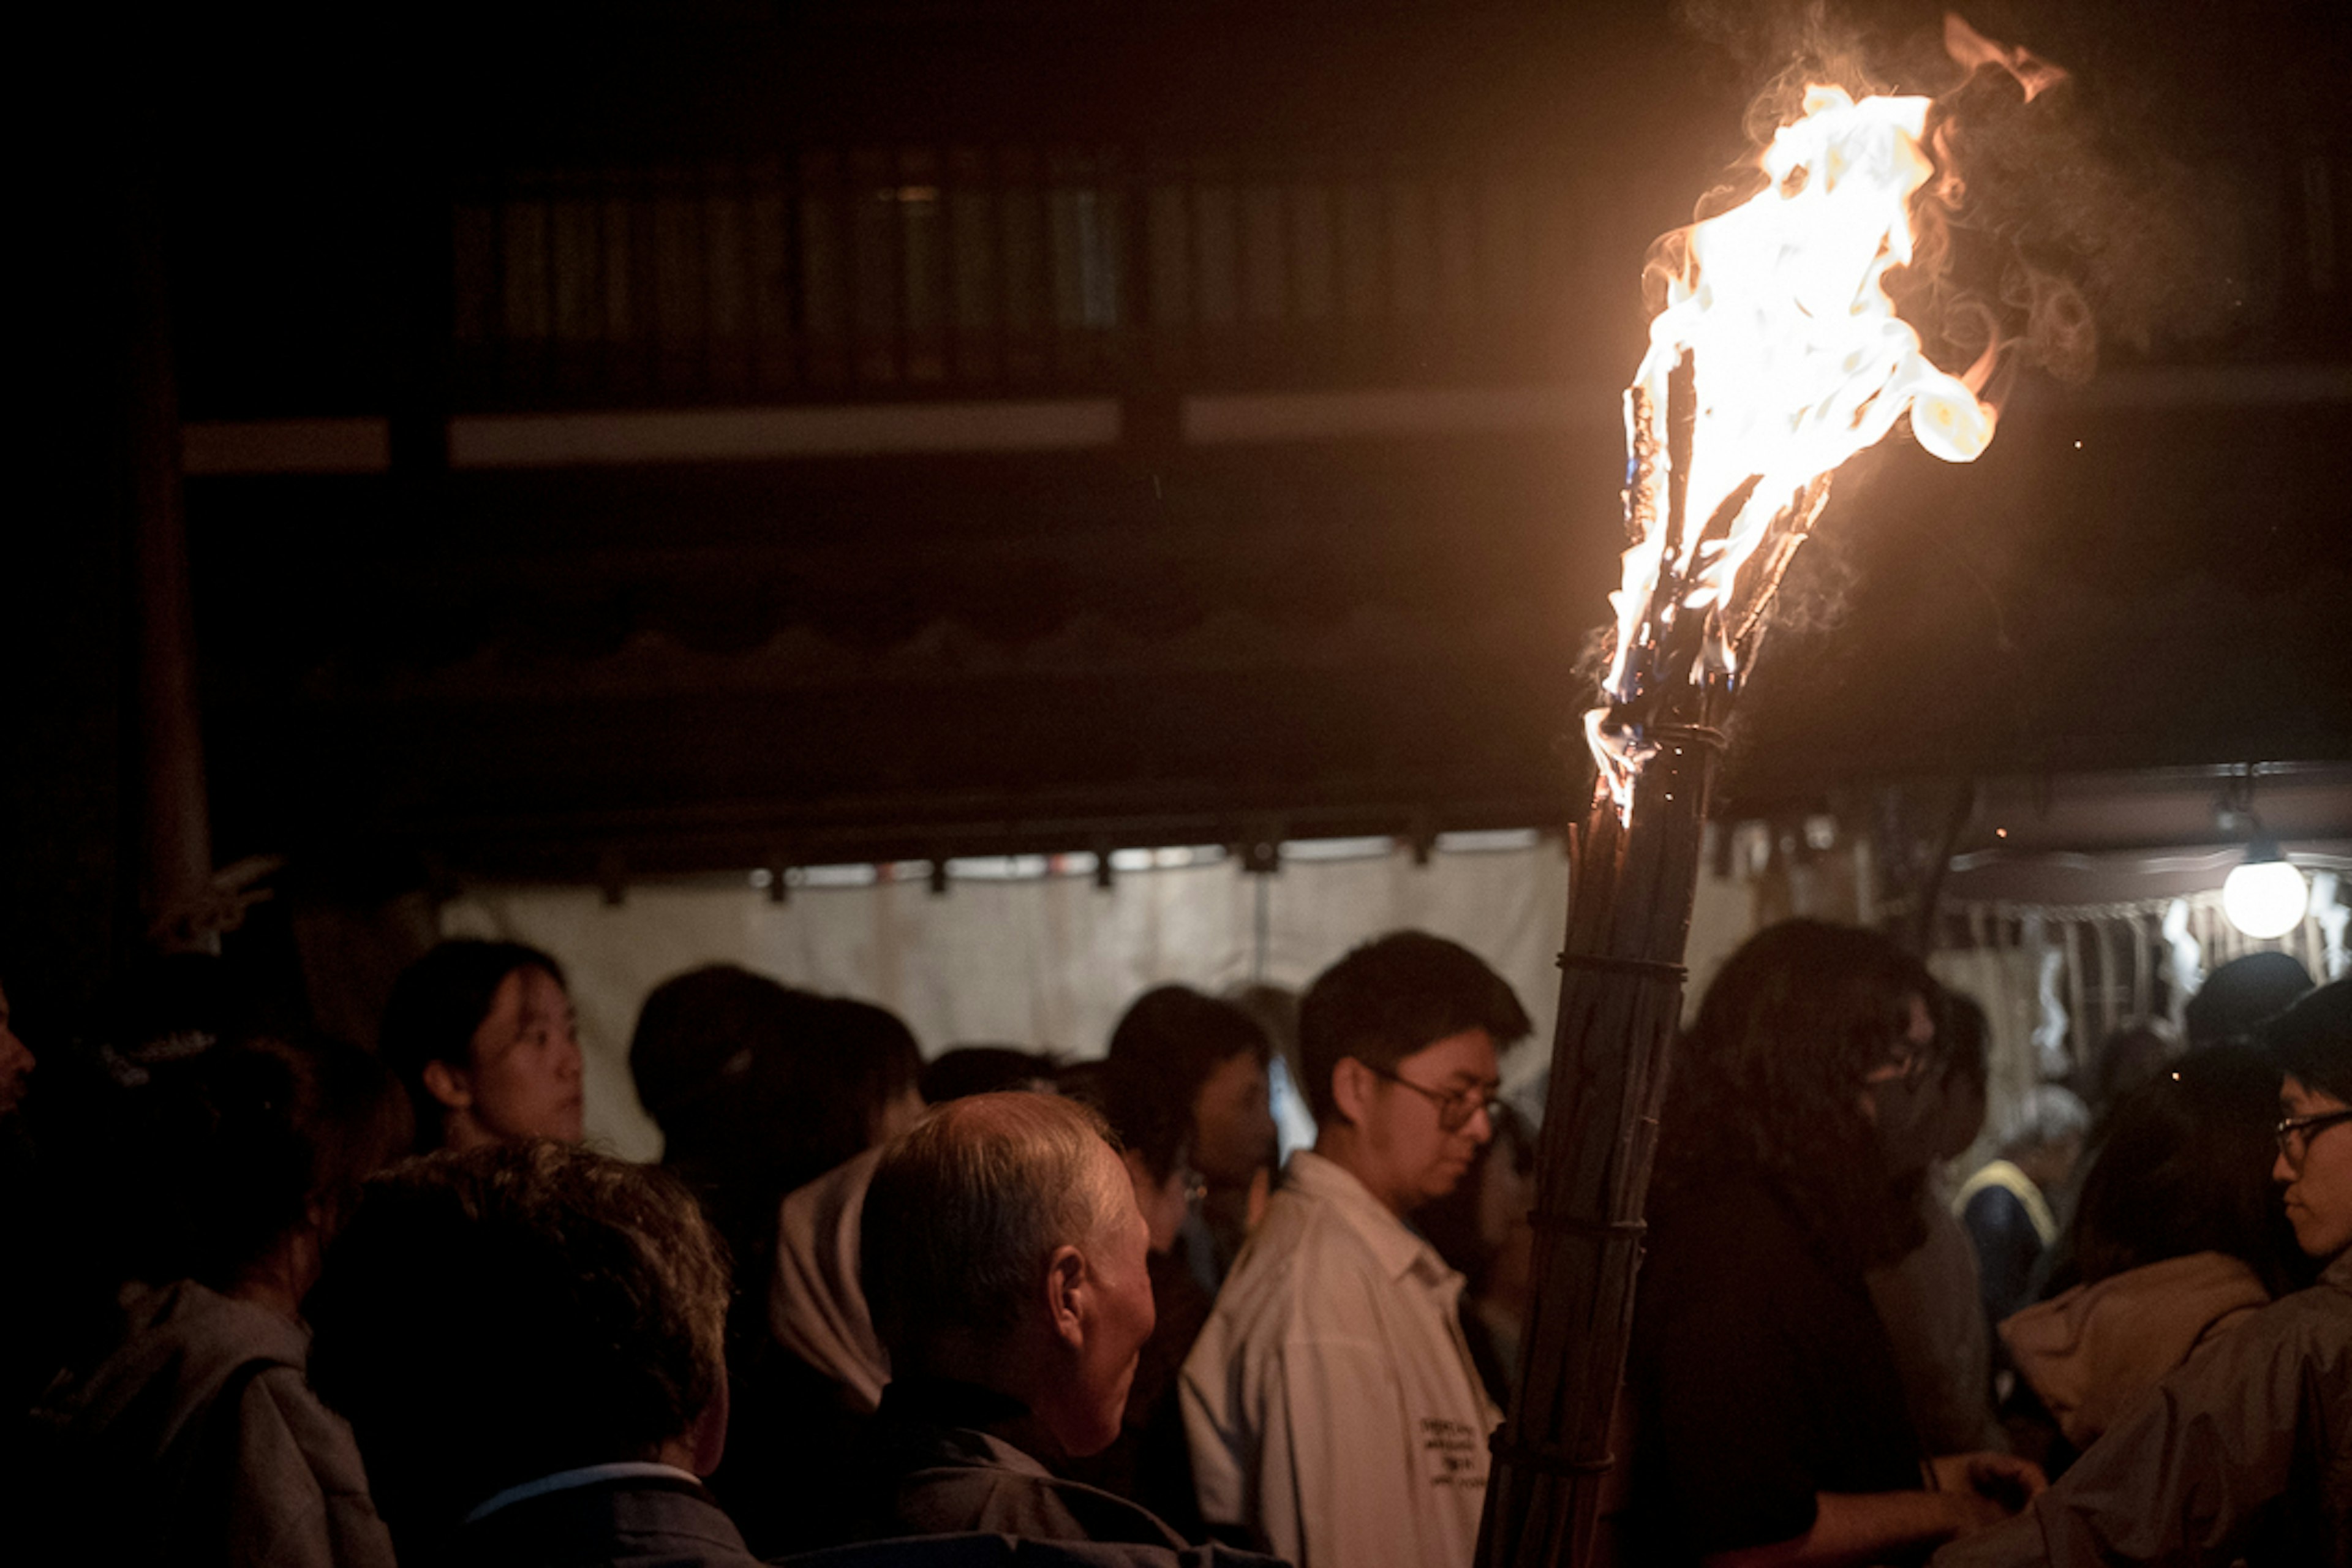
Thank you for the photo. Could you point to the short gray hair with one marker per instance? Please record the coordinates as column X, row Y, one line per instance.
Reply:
column 2047, row 1115
column 964, row 1210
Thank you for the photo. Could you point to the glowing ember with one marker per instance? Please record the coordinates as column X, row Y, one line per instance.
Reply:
column 1780, row 356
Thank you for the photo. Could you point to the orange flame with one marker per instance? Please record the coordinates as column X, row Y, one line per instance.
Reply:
column 1797, row 360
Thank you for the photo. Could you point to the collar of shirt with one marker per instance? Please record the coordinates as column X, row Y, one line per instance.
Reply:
column 586, row 1476
column 1400, row 1250
column 2340, row 1273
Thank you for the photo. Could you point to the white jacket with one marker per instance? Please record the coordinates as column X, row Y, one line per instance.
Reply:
column 1331, row 1404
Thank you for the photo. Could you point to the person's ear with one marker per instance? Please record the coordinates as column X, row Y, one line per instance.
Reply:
column 1351, row 1089
column 1066, row 1290
column 708, row 1436
column 451, row 1085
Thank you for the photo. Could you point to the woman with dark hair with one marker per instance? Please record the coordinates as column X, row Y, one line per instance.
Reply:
column 2244, row 1452
column 2178, row 1238
column 1768, row 1417
column 766, row 1094
column 197, row 1438
column 482, row 1034
column 1204, row 1060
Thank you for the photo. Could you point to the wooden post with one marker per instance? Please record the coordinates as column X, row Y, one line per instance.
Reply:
column 176, row 859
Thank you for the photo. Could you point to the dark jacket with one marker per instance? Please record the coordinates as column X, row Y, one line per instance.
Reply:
column 1009, row 1551
column 2246, row 1451
column 639, row 1521
column 943, row 1466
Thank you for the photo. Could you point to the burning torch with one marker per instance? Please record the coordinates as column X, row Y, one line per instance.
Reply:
column 1777, row 356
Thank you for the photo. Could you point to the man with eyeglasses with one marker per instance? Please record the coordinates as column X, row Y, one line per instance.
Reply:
column 2245, row 1452
column 1334, row 1416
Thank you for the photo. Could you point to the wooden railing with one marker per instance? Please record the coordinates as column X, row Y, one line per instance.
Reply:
column 877, row 273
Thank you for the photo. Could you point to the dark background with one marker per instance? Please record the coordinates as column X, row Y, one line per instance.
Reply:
column 434, row 671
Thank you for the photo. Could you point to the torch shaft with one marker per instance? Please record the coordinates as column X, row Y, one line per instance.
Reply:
column 1631, row 892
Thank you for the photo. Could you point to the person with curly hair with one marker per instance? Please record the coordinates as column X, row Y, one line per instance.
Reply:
column 1769, row 1419
column 529, row 1340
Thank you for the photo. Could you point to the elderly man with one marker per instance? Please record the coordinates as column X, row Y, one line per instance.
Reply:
column 1005, row 1261
column 527, row 1338
column 1332, row 1407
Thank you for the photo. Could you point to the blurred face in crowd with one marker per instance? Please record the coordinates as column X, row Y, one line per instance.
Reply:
column 1902, row 1097
column 1100, row 1300
column 2316, row 1162
column 524, row 1078
column 16, row 1062
column 1233, row 1122
column 1417, row 1130
column 1165, row 1201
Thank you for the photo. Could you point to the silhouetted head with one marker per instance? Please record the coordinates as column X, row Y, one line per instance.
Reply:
column 2185, row 1167
column 2241, row 994
column 964, row 1071
column 497, row 1315
column 1187, row 1072
column 1811, row 1037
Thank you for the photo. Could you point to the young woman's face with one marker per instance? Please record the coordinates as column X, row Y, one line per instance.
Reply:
column 524, row 1078
column 2316, row 1164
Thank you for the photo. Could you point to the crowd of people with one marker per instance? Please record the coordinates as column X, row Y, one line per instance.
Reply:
column 275, row 1299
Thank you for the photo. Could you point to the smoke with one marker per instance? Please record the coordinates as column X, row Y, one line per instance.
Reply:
column 2108, row 209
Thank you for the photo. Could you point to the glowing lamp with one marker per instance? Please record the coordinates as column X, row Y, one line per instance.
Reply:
column 2266, row 896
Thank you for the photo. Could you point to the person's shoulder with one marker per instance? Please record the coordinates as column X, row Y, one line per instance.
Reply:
column 998, row 1500
column 324, row 1436
column 1729, row 1217
column 1306, row 1256
column 2319, row 1317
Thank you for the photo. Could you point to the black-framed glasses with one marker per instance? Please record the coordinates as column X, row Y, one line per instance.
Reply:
column 2295, row 1133
column 1454, row 1109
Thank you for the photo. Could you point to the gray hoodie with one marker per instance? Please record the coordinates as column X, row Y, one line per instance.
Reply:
column 198, row 1441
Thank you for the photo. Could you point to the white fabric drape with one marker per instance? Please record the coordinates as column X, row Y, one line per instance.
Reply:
column 1043, row 962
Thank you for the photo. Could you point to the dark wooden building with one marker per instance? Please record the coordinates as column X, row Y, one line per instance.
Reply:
column 625, row 440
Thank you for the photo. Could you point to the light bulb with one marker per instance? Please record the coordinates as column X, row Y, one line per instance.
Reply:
column 2266, row 896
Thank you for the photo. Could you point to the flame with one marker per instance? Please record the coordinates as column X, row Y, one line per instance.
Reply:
column 1796, row 361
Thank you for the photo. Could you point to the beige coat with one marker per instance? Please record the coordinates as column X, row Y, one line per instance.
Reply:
column 2092, row 1351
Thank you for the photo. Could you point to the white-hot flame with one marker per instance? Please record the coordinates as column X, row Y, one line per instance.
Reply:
column 1799, row 362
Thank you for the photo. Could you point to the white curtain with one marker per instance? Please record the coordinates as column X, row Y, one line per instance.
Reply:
column 1037, row 961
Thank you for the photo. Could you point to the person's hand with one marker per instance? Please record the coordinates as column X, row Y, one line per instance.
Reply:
column 1986, row 1487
